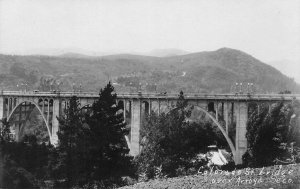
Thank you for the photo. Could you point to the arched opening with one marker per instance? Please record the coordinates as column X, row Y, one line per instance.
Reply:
column 155, row 106
column 211, row 107
column 200, row 114
column 164, row 106
column 120, row 104
column 145, row 109
column 27, row 118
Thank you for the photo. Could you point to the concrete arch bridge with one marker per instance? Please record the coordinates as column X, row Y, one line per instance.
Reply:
column 222, row 109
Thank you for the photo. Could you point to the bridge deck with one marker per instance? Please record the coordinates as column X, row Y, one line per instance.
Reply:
column 191, row 96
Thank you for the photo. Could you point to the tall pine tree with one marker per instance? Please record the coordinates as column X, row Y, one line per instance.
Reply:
column 72, row 144
column 267, row 130
column 108, row 151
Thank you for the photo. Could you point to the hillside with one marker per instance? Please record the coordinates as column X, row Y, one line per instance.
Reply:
column 241, row 179
column 214, row 71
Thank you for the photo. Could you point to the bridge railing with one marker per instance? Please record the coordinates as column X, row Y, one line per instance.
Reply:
column 154, row 95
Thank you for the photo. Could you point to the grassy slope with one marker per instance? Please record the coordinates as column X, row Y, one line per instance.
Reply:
column 206, row 182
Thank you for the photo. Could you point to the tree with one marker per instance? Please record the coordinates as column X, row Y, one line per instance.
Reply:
column 266, row 131
column 20, row 162
column 108, row 151
column 71, row 145
column 5, row 131
column 170, row 141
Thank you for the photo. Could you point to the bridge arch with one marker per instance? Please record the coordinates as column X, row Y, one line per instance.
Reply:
column 228, row 140
column 230, row 143
column 38, row 108
column 146, row 109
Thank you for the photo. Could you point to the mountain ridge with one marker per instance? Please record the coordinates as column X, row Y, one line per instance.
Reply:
column 207, row 71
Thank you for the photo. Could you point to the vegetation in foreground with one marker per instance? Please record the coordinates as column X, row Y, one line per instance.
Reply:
column 271, row 133
column 171, row 142
column 273, row 138
column 170, row 145
column 240, row 179
column 92, row 151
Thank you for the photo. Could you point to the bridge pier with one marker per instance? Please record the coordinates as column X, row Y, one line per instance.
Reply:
column 55, row 123
column 1, row 108
column 226, row 107
column 135, row 127
column 241, row 110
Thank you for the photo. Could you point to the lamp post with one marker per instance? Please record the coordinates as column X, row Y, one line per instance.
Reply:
column 248, row 90
column 80, row 87
column 21, row 86
column 251, row 88
column 241, row 88
column 146, row 87
column 24, row 85
column 58, row 85
column 140, row 88
column 130, row 86
column 236, row 88
column 51, row 84
column 73, row 86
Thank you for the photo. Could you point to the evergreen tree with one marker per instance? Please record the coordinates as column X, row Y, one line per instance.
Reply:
column 71, row 145
column 108, row 151
column 266, row 131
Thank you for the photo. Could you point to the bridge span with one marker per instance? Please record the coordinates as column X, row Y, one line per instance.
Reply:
column 225, row 110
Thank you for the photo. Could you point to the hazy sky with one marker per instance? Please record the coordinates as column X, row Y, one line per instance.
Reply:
column 267, row 29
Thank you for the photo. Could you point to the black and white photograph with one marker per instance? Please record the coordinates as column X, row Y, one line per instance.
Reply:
column 149, row 94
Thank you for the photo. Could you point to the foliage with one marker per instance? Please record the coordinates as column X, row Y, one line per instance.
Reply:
column 172, row 142
column 48, row 84
column 22, row 163
column 5, row 131
column 267, row 130
column 292, row 154
column 18, row 70
column 15, row 176
column 108, row 152
column 35, row 126
column 72, row 147
column 91, row 152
